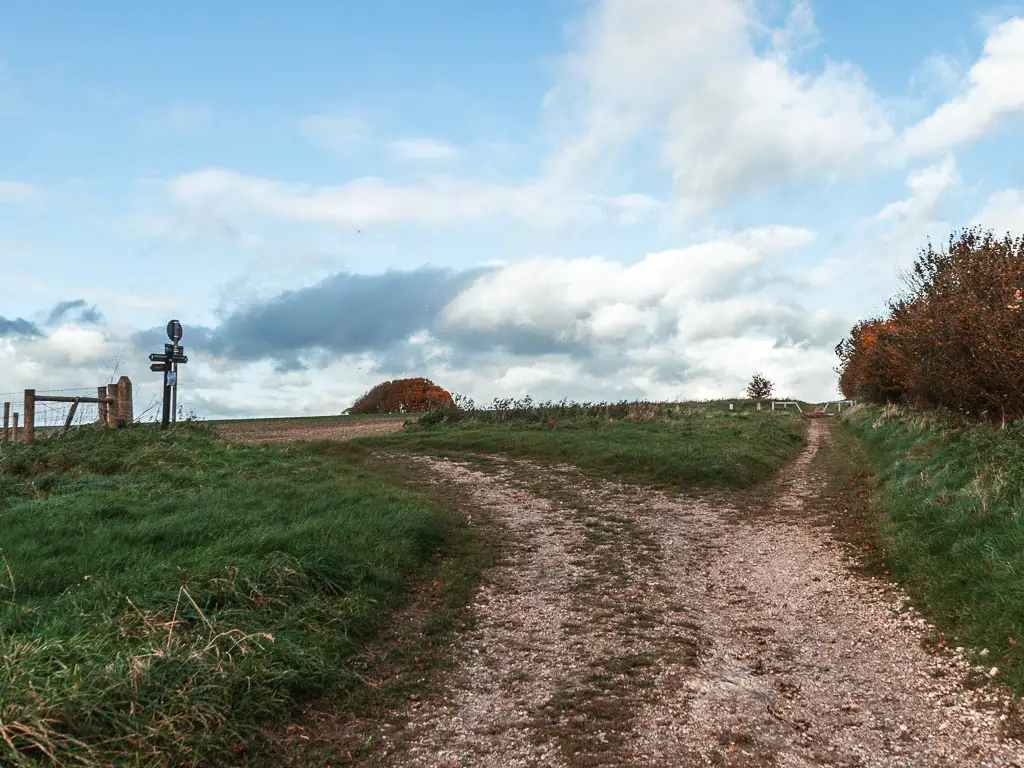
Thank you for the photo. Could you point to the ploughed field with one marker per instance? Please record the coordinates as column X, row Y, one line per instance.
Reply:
column 316, row 428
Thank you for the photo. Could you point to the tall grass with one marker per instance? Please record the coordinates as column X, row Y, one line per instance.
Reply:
column 672, row 445
column 165, row 595
column 952, row 495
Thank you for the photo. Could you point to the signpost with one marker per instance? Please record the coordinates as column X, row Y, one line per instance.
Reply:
column 167, row 363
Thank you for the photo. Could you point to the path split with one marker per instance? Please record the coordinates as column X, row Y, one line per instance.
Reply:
column 623, row 626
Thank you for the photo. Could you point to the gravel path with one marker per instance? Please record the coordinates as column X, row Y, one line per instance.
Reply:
column 626, row 627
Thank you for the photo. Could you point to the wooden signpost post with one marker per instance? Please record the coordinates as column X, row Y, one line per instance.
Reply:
column 167, row 363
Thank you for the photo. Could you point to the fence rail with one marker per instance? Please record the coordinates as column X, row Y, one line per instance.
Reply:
column 786, row 404
column 113, row 401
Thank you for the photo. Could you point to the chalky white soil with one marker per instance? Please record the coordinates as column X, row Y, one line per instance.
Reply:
column 623, row 626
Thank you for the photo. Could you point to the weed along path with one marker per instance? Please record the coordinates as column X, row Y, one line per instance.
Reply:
column 623, row 626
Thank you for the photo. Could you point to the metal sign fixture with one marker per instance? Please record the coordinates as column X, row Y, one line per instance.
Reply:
column 167, row 363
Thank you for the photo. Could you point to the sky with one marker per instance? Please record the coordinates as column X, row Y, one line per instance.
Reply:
column 589, row 199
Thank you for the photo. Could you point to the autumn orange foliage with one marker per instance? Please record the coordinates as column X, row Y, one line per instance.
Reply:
column 954, row 339
column 870, row 358
column 402, row 396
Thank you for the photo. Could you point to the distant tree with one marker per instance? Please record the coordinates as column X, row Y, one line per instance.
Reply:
column 759, row 387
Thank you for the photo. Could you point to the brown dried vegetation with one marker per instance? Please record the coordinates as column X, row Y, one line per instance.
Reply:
column 402, row 396
column 954, row 339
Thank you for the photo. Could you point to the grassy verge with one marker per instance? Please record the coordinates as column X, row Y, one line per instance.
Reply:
column 408, row 659
column 164, row 596
column 846, row 501
column 952, row 503
column 683, row 448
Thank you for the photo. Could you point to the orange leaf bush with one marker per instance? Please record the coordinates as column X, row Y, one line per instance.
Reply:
column 954, row 339
column 402, row 396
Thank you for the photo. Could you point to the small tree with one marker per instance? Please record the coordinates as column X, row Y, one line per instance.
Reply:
column 759, row 387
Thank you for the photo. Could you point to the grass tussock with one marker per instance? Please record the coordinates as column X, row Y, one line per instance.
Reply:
column 952, row 498
column 163, row 596
column 670, row 445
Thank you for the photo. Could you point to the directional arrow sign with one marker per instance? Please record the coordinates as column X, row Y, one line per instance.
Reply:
column 158, row 358
column 158, row 367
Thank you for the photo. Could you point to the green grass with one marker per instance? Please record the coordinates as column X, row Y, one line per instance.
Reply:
column 163, row 596
column 952, row 498
column 675, row 446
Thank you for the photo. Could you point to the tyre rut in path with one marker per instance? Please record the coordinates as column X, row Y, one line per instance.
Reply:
column 624, row 626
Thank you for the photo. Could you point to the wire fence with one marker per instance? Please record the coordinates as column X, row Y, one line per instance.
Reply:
column 18, row 393
column 54, row 416
column 53, row 419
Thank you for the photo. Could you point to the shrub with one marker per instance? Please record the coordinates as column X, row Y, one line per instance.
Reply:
column 954, row 339
column 870, row 362
column 402, row 396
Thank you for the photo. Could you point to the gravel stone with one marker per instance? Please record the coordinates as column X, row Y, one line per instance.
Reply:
column 624, row 626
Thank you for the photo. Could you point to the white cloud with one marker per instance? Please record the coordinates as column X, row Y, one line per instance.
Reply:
column 796, row 372
column 422, row 149
column 939, row 72
column 590, row 301
column 19, row 193
column 690, row 322
column 885, row 245
column 71, row 356
column 630, row 208
column 74, row 344
column 994, row 90
column 193, row 227
column 541, row 376
column 928, row 187
column 800, row 31
column 750, row 314
column 621, row 320
column 732, row 118
column 369, row 201
column 338, row 133
column 1003, row 212
column 132, row 303
column 682, row 323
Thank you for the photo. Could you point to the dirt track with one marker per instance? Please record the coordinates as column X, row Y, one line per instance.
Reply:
column 625, row 627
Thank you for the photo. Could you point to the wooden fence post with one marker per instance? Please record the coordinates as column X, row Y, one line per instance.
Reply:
column 112, row 406
column 125, row 406
column 70, row 419
column 14, row 431
column 29, row 429
column 7, row 422
column 101, row 394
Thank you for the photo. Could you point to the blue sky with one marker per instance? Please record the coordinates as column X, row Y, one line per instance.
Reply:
column 583, row 198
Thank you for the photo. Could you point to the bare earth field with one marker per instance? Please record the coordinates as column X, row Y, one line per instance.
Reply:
column 286, row 430
column 623, row 626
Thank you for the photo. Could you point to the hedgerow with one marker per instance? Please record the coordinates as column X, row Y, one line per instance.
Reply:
column 954, row 338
